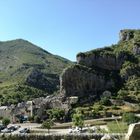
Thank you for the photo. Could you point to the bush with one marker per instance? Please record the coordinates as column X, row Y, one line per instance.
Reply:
column 47, row 124
column 105, row 101
column 5, row 121
column 115, row 107
column 56, row 114
column 130, row 118
column 78, row 120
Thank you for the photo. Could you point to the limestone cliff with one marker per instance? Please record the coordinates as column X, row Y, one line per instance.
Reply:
column 84, row 82
column 103, row 69
column 104, row 61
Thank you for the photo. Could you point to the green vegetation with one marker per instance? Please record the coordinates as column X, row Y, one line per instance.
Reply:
column 105, row 101
column 27, row 71
column 5, row 121
column 47, row 124
column 56, row 114
column 130, row 118
column 78, row 119
column 117, row 127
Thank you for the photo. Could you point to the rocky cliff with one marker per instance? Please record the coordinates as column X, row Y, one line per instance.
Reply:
column 103, row 61
column 103, row 69
column 84, row 82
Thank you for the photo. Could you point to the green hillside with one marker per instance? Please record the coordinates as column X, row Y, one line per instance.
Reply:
column 27, row 71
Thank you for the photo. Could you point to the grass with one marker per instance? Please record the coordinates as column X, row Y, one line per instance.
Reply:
column 117, row 127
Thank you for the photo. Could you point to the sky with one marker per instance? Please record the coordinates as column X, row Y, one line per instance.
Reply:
column 67, row 27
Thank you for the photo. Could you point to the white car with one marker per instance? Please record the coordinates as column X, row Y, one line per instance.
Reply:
column 75, row 130
column 24, row 130
column 70, row 130
column 6, row 130
column 94, row 128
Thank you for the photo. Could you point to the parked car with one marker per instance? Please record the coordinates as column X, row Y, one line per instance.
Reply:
column 75, row 130
column 94, row 128
column 12, row 128
column 6, row 130
column 17, row 127
column 9, row 129
column 70, row 130
column 2, row 127
column 24, row 130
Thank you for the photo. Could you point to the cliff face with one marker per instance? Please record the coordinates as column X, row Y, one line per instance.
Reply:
column 83, row 82
column 103, row 69
column 106, row 61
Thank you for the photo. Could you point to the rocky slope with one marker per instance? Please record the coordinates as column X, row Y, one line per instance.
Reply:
column 27, row 71
column 114, row 68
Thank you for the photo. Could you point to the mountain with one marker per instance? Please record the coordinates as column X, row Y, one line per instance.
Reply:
column 27, row 71
column 114, row 70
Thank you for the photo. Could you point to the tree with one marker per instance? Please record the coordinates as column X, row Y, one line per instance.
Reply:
column 5, row 121
column 56, row 114
column 78, row 120
column 47, row 124
column 129, row 118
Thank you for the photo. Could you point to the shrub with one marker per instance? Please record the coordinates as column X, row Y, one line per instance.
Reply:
column 56, row 114
column 129, row 118
column 78, row 120
column 5, row 121
column 47, row 124
column 105, row 101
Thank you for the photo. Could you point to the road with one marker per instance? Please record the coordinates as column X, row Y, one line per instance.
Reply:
column 28, row 125
column 36, row 126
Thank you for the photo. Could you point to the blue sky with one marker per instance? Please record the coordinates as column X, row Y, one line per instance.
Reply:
column 66, row 27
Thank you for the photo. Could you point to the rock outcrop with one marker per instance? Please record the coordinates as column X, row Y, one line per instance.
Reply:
column 136, row 49
column 105, row 61
column 43, row 81
column 83, row 82
column 126, row 35
column 102, row 69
